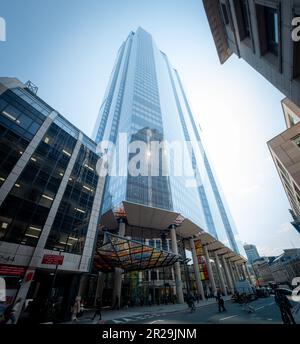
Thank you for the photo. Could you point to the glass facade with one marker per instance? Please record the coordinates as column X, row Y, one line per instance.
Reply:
column 145, row 99
column 19, row 122
column 72, row 218
column 24, row 211
column 26, row 208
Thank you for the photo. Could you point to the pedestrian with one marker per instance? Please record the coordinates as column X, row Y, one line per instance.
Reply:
column 150, row 299
column 81, row 308
column 285, row 307
column 98, row 308
column 11, row 311
column 75, row 309
column 220, row 301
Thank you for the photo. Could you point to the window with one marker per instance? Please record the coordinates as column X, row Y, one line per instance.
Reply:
column 272, row 30
column 243, row 21
column 242, row 17
column 225, row 14
column 268, row 28
column 296, row 64
column 297, row 140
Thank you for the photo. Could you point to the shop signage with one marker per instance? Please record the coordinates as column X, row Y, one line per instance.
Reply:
column 52, row 259
column 10, row 270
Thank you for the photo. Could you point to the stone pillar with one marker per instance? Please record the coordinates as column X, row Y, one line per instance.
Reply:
column 23, row 291
column 116, row 298
column 176, row 265
column 196, row 269
column 82, row 285
column 227, row 275
column 100, row 286
column 241, row 268
column 210, row 271
column 247, row 273
column 220, row 274
column 232, row 273
column 237, row 272
column 101, row 276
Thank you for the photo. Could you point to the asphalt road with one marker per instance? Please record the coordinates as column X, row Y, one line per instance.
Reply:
column 266, row 312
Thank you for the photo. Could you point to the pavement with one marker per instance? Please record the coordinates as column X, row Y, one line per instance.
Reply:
column 138, row 313
column 265, row 312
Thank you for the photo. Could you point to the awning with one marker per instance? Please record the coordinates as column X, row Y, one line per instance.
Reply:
column 130, row 255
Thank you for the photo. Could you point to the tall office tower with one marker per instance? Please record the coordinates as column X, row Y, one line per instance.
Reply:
column 259, row 32
column 251, row 252
column 145, row 99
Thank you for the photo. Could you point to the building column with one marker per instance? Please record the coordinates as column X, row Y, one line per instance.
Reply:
column 236, row 268
column 227, row 275
column 82, row 285
column 233, row 277
column 241, row 269
column 219, row 271
column 177, row 271
column 247, row 273
column 116, row 297
column 101, row 277
column 100, row 286
column 196, row 269
column 210, row 271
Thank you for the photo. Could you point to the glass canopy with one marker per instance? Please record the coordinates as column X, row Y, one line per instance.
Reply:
column 130, row 255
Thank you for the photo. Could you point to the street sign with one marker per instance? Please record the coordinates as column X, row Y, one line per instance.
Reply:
column 52, row 259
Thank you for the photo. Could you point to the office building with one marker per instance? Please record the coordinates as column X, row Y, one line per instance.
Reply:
column 285, row 151
column 280, row 270
column 145, row 98
column 146, row 101
column 259, row 32
column 251, row 253
column 50, row 198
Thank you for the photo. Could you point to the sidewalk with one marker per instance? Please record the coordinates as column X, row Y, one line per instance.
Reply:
column 133, row 312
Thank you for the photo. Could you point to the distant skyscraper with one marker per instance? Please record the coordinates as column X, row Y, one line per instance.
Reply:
column 145, row 99
column 252, row 253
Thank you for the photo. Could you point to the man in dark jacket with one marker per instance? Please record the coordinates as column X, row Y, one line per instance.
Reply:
column 220, row 301
column 285, row 307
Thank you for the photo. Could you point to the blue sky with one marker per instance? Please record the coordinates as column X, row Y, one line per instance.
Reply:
column 67, row 48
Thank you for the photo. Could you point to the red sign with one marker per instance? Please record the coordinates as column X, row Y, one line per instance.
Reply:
column 10, row 270
column 52, row 259
column 29, row 277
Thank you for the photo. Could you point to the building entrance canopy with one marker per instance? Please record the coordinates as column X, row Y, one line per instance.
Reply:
column 130, row 255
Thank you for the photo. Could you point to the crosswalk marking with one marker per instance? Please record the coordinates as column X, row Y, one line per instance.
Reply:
column 232, row 316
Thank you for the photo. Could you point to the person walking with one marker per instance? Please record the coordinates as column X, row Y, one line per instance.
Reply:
column 285, row 307
column 76, row 308
column 220, row 301
column 190, row 302
column 98, row 309
column 10, row 312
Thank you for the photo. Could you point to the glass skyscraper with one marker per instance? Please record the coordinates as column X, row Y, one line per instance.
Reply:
column 145, row 99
